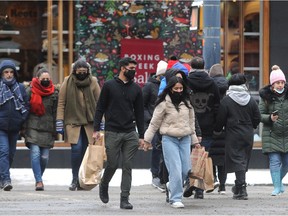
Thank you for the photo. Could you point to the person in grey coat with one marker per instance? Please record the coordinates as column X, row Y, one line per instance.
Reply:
column 40, row 130
column 217, row 150
column 239, row 114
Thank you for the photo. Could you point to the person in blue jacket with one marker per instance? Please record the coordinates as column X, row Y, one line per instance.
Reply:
column 14, row 109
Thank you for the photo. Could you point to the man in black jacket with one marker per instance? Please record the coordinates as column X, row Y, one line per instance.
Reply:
column 206, row 100
column 121, row 103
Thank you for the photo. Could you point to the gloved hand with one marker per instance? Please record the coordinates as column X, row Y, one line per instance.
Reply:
column 60, row 126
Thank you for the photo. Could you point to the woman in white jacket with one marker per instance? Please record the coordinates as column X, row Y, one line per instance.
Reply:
column 175, row 118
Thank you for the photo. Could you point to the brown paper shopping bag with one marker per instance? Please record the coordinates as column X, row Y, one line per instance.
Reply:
column 92, row 164
column 208, row 175
column 198, row 156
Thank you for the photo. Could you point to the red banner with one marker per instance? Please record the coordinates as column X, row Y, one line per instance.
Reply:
column 146, row 52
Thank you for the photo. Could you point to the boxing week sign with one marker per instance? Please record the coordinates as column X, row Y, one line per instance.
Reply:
column 146, row 52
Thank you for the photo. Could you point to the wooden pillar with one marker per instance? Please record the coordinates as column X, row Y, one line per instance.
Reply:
column 71, row 35
column 49, row 34
column 60, row 41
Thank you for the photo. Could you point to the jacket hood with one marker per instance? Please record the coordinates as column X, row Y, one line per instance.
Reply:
column 200, row 80
column 239, row 94
column 267, row 94
column 153, row 80
column 222, row 83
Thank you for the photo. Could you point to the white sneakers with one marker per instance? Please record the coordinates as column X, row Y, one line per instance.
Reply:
column 177, row 205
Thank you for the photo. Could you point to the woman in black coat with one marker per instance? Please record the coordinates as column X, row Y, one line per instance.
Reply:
column 239, row 114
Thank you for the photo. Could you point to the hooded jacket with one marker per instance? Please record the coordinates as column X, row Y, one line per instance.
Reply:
column 205, row 98
column 274, row 134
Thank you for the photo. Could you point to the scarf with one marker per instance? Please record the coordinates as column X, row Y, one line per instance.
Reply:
column 13, row 92
column 75, row 113
column 38, row 91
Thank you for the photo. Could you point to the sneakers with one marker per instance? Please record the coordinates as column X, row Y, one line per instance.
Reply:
column 103, row 193
column 177, row 205
column 7, row 186
column 157, row 184
column 222, row 190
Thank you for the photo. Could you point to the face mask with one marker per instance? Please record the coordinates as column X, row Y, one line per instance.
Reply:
column 81, row 76
column 279, row 91
column 176, row 97
column 130, row 74
column 45, row 83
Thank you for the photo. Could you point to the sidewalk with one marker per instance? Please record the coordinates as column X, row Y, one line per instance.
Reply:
column 140, row 177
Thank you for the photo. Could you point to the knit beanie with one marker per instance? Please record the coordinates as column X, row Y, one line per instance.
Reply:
column 216, row 70
column 161, row 68
column 8, row 64
column 276, row 75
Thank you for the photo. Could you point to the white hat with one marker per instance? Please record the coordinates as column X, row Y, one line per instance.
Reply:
column 161, row 68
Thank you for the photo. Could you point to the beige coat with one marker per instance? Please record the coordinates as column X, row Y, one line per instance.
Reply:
column 72, row 132
column 171, row 122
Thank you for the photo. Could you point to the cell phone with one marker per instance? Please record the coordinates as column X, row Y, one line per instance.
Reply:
column 275, row 112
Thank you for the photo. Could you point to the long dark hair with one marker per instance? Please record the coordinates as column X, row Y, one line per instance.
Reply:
column 172, row 82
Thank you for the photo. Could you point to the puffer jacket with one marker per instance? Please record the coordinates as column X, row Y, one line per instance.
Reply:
column 274, row 134
column 171, row 122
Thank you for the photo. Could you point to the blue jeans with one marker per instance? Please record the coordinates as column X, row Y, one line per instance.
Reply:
column 177, row 159
column 39, row 159
column 278, row 162
column 77, row 152
column 8, row 141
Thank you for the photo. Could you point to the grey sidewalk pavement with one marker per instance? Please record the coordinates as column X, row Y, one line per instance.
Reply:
column 147, row 200
column 58, row 200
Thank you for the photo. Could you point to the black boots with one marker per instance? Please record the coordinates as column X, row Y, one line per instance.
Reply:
column 198, row 194
column 124, row 203
column 240, row 192
column 75, row 185
column 103, row 193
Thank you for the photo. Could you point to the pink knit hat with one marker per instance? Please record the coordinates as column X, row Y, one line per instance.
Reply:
column 276, row 75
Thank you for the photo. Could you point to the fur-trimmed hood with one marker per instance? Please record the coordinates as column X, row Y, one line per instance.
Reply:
column 268, row 95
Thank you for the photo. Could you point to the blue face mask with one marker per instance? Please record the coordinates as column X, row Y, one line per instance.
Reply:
column 279, row 91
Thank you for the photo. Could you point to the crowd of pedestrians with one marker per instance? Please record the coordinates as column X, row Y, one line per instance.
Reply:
column 180, row 108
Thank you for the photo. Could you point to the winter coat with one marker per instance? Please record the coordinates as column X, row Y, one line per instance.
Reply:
column 274, row 134
column 10, row 118
column 217, row 149
column 150, row 94
column 72, row 132
column 40, row 130
column 171, row 122
column 205, row 98
column 239, row 119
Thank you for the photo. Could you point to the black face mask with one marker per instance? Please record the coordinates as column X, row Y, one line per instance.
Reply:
column 176, row 97
column 45, row 83
column 81, row 76
column 130, row 74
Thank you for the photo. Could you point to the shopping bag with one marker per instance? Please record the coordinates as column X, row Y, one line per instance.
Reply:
column 207, row 183
column 92, row 164
column 198, row 156
column 208, row 175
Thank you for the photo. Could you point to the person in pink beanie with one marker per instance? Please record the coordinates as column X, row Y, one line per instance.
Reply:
column 273, row 107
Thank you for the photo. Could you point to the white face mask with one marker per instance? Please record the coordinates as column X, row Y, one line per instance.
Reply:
column 279, row 91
